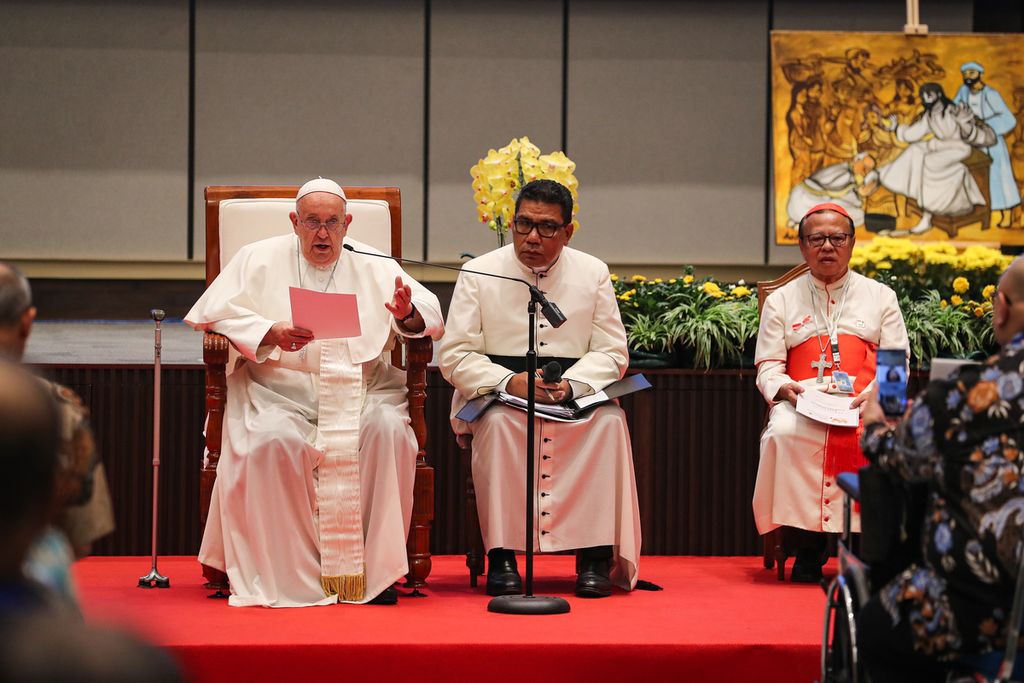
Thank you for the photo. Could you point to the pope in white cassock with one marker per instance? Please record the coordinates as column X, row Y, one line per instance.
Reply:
column 585, row 488
column 313, row 496
column 817, row 331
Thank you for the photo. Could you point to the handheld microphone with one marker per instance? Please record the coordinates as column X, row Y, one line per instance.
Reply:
column 552, row 373
column 548, row 308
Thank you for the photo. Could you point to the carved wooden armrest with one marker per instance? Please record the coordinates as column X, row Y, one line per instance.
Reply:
column 215, row 356
column 418, row 353
column 215, row 348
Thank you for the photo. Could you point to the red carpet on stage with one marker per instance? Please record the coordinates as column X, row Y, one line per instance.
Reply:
column 718, row 619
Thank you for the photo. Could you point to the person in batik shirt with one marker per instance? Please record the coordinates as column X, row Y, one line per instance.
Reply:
column 962, row 437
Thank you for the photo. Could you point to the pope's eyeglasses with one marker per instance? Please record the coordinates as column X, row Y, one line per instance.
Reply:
column 314, row 225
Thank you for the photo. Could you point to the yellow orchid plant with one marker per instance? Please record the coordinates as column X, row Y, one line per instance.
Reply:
column 498, row 177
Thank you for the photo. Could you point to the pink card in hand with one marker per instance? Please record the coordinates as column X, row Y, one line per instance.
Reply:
column 327, row 316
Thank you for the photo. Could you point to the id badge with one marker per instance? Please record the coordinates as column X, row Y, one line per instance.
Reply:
column 842, row 381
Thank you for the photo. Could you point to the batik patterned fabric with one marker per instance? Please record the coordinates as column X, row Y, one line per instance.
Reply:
column 962, row 437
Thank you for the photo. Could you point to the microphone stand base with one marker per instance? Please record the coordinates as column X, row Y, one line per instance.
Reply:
column 528, row 604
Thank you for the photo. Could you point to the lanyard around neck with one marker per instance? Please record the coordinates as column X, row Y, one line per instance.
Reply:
column 831, row 322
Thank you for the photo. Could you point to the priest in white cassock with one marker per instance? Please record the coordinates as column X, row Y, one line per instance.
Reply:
column 585, row 488
column 314, row 489
column 818, row 333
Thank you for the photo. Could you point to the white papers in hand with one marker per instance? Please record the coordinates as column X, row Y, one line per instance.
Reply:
column 827, row 408
column 327, row 316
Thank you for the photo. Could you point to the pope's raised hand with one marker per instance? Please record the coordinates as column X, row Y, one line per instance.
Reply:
column 401, row 302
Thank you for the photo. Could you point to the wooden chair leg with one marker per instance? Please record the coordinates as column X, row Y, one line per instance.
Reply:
column 780, row 555
column 418, row 354
column 474, row 539
column 775, row 553
column 418, row 543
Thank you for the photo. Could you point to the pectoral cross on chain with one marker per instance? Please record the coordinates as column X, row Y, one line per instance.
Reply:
column 820, row 365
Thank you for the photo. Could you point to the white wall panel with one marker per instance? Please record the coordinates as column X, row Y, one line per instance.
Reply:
column 93, row 113
column 666, row 124
column 288, row 92
column 495, row 74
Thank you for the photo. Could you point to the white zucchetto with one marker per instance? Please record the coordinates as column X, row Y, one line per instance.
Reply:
column 321, row 185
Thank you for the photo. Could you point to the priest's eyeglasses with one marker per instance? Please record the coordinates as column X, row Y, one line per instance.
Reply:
column 314, row 225
column 818, row 241
column 524, row 226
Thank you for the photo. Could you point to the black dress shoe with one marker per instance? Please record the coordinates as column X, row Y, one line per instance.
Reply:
column 593, row 581
column 502, row 575
column 805, row 572
column 388, row 596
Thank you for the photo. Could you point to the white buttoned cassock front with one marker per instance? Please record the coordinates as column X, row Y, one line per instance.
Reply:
column 585, row 486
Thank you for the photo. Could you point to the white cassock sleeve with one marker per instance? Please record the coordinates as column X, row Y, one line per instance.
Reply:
column 608, row 357
column 227, row 308
column 463, row 359
column 771, row 352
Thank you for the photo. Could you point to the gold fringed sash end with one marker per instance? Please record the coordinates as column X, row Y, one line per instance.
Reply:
column 348, row 587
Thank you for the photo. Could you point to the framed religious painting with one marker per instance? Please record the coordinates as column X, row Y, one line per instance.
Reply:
column 915, row 136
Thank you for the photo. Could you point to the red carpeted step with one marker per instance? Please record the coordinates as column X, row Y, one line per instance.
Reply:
column 719, row 618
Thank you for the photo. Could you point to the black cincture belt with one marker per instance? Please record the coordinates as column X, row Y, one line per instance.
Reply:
column 518, row 363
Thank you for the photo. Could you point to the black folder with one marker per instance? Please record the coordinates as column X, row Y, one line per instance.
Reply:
column 570, row 411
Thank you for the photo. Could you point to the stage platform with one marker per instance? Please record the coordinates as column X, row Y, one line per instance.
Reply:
column 112, row 342
column 718, row 619
column 115, row 342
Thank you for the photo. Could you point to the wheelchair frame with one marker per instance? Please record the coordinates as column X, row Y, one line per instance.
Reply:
column 850, row 589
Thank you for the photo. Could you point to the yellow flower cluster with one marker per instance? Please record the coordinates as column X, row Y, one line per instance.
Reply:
column 712, row 289
column 890, row 249
column 915, row 267
column 500, row 175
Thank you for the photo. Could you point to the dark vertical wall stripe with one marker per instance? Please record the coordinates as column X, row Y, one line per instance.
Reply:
column 191, row 171
column 769, row 157
column 426, row 129
column 565, row 76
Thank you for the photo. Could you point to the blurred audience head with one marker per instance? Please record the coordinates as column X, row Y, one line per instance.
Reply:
column 29, row 442
column 1008, row 305
column 44, row 648
column 16, row 312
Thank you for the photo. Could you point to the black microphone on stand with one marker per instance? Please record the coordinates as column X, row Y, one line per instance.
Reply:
column 527, row 603
column 552, row 373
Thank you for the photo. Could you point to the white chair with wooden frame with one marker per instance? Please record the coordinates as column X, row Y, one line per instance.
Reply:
column 239, row 215
column 775, row 553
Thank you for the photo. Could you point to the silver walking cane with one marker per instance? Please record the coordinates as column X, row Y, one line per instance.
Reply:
column 155, row 579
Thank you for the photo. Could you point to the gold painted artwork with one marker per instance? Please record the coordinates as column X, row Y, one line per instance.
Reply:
column 915, row 136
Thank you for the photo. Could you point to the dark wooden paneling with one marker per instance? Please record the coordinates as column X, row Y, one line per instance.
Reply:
column 120, row 399
column 695, row 449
